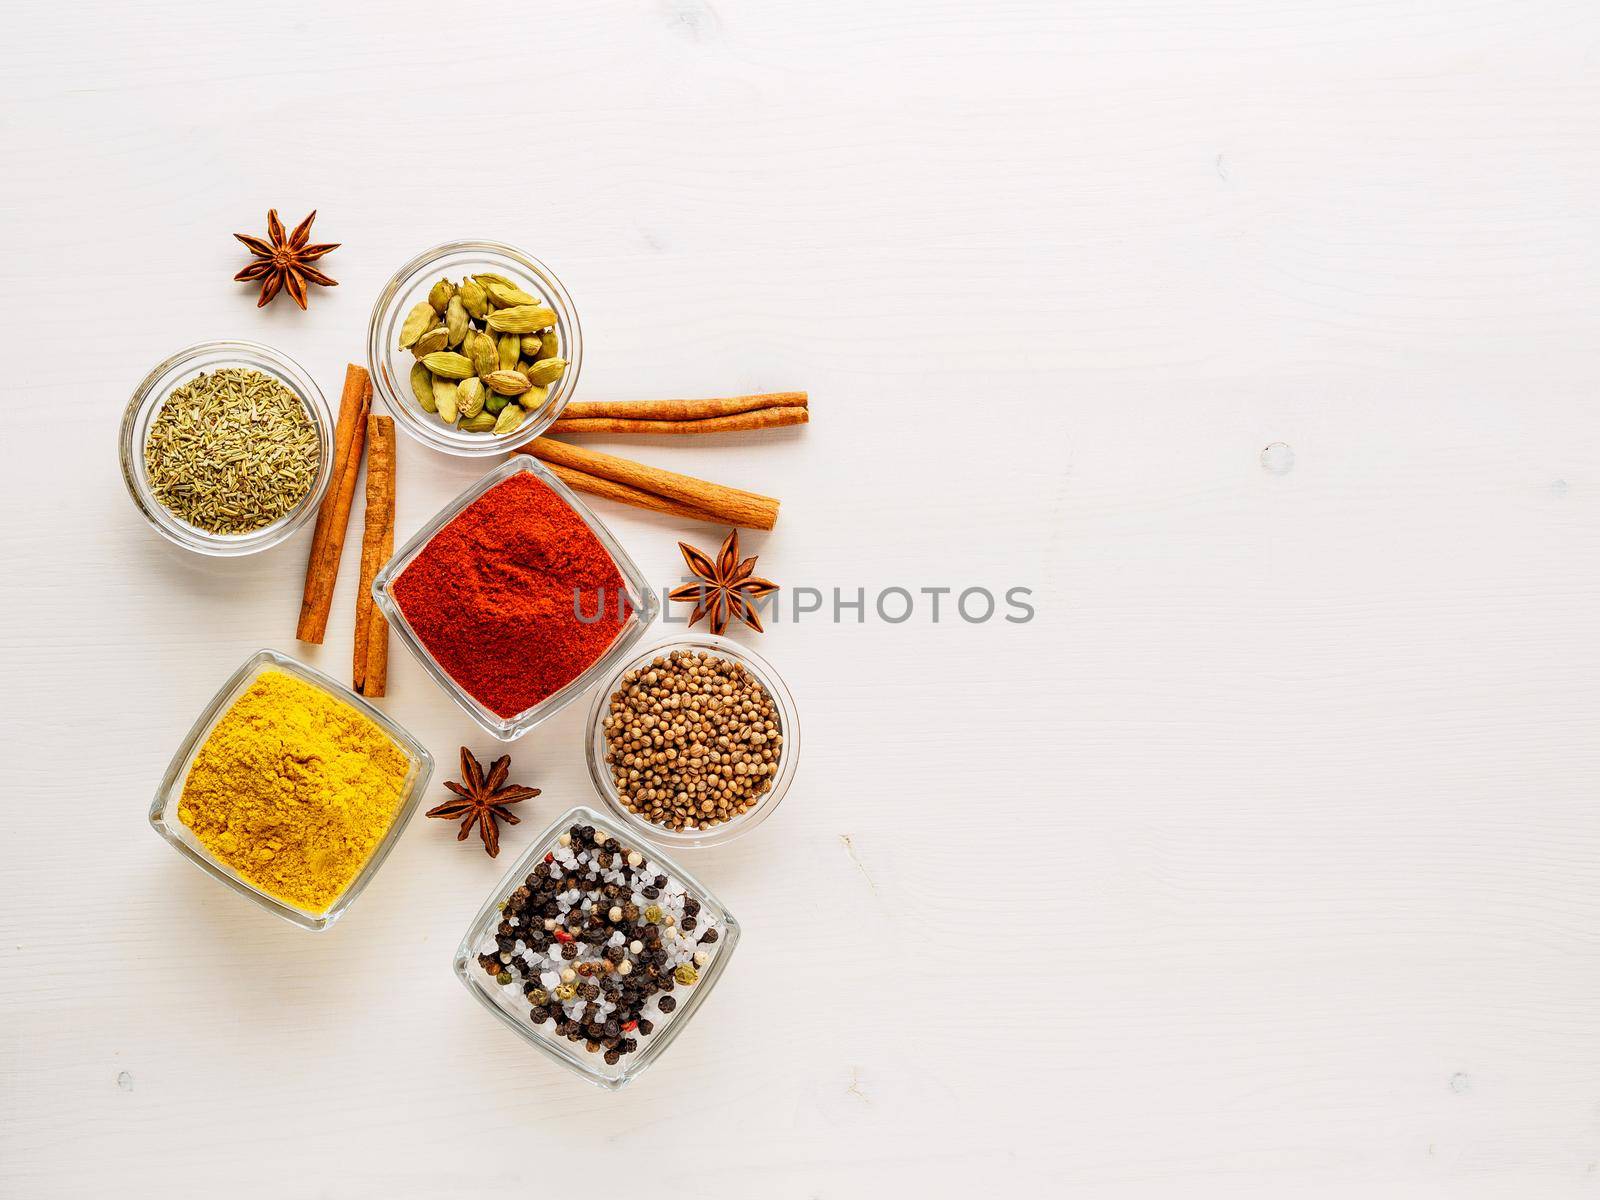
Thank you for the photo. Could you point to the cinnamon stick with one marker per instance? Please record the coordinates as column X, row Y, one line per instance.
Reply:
column 731, row 506
column 760, row 418
column 333, row 518
column 682, row 410
column 582, row 481
column 371, row 657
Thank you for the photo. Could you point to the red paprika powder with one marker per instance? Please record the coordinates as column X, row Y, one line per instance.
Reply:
column 492, row 595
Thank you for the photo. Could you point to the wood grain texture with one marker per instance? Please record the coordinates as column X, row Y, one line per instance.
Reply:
column 1284, row 801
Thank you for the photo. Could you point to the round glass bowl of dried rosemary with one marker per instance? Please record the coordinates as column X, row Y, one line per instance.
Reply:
column 693, row 742
column 227, row 448
column 474, row 347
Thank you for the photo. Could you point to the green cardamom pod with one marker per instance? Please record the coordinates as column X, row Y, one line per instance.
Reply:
column 449, row 364
column 533, row 399
column 493, row 402
column 482, row 423
column 418, row 321
column 547, row 371
column 526, row 318
column 470, row 394
column 439, row 295
column 510, row 350
column 549, row 347
column 510, row 417
column 474, row 298
column 530, row 345
column 484, row 279
column 444, row 395
column 455, row 320
column 481, row 349
column 509, row 295
column 506, row 383
column 422, row 386
column 436, row 338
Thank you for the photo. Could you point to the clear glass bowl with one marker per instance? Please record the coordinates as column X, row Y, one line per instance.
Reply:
column 642, row 602
column 725, row 831
column 164, row 809
column 391, row 366
column 510, row 1006
column 146, row 405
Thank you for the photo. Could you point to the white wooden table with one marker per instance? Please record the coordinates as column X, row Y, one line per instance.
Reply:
column 1262, row 862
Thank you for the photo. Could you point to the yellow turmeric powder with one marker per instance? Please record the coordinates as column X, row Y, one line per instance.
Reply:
column 293, row 789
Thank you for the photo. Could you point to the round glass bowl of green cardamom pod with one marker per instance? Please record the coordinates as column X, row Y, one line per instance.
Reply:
column 474, row 347
column 227, row 448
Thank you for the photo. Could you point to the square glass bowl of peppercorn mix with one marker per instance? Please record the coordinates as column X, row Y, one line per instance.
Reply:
column 515, row 598
column 596, row 949
column 290, row 789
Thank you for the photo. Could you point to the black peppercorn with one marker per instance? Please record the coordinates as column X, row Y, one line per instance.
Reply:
column 666, row 1004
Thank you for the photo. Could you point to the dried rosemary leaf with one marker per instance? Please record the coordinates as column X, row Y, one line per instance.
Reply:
column 232, row 452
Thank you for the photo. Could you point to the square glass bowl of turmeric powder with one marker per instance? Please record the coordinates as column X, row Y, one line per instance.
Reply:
column 290, row 789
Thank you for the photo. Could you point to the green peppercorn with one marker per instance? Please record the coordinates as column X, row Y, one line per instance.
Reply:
column 538, row 996
column 503, row 978
column 653, row 914
column 686, row 974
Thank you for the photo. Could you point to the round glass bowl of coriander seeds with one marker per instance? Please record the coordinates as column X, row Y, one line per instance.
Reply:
column 227, row 448
column 474, row 347
column 693, row 742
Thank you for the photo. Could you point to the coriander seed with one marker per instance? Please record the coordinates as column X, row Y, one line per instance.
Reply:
column 693, row 740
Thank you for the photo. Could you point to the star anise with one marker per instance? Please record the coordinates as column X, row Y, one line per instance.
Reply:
column 285, row 261
column 482, row 800
column 727, row 589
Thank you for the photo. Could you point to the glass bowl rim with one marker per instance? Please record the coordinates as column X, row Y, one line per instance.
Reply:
column 146, row 397
column 724, row 831
column 641, row 598
column 464, row 960
column 385, row 310
column 419, row 774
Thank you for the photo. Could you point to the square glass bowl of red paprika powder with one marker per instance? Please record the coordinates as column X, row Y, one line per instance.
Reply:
column 516, row 598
